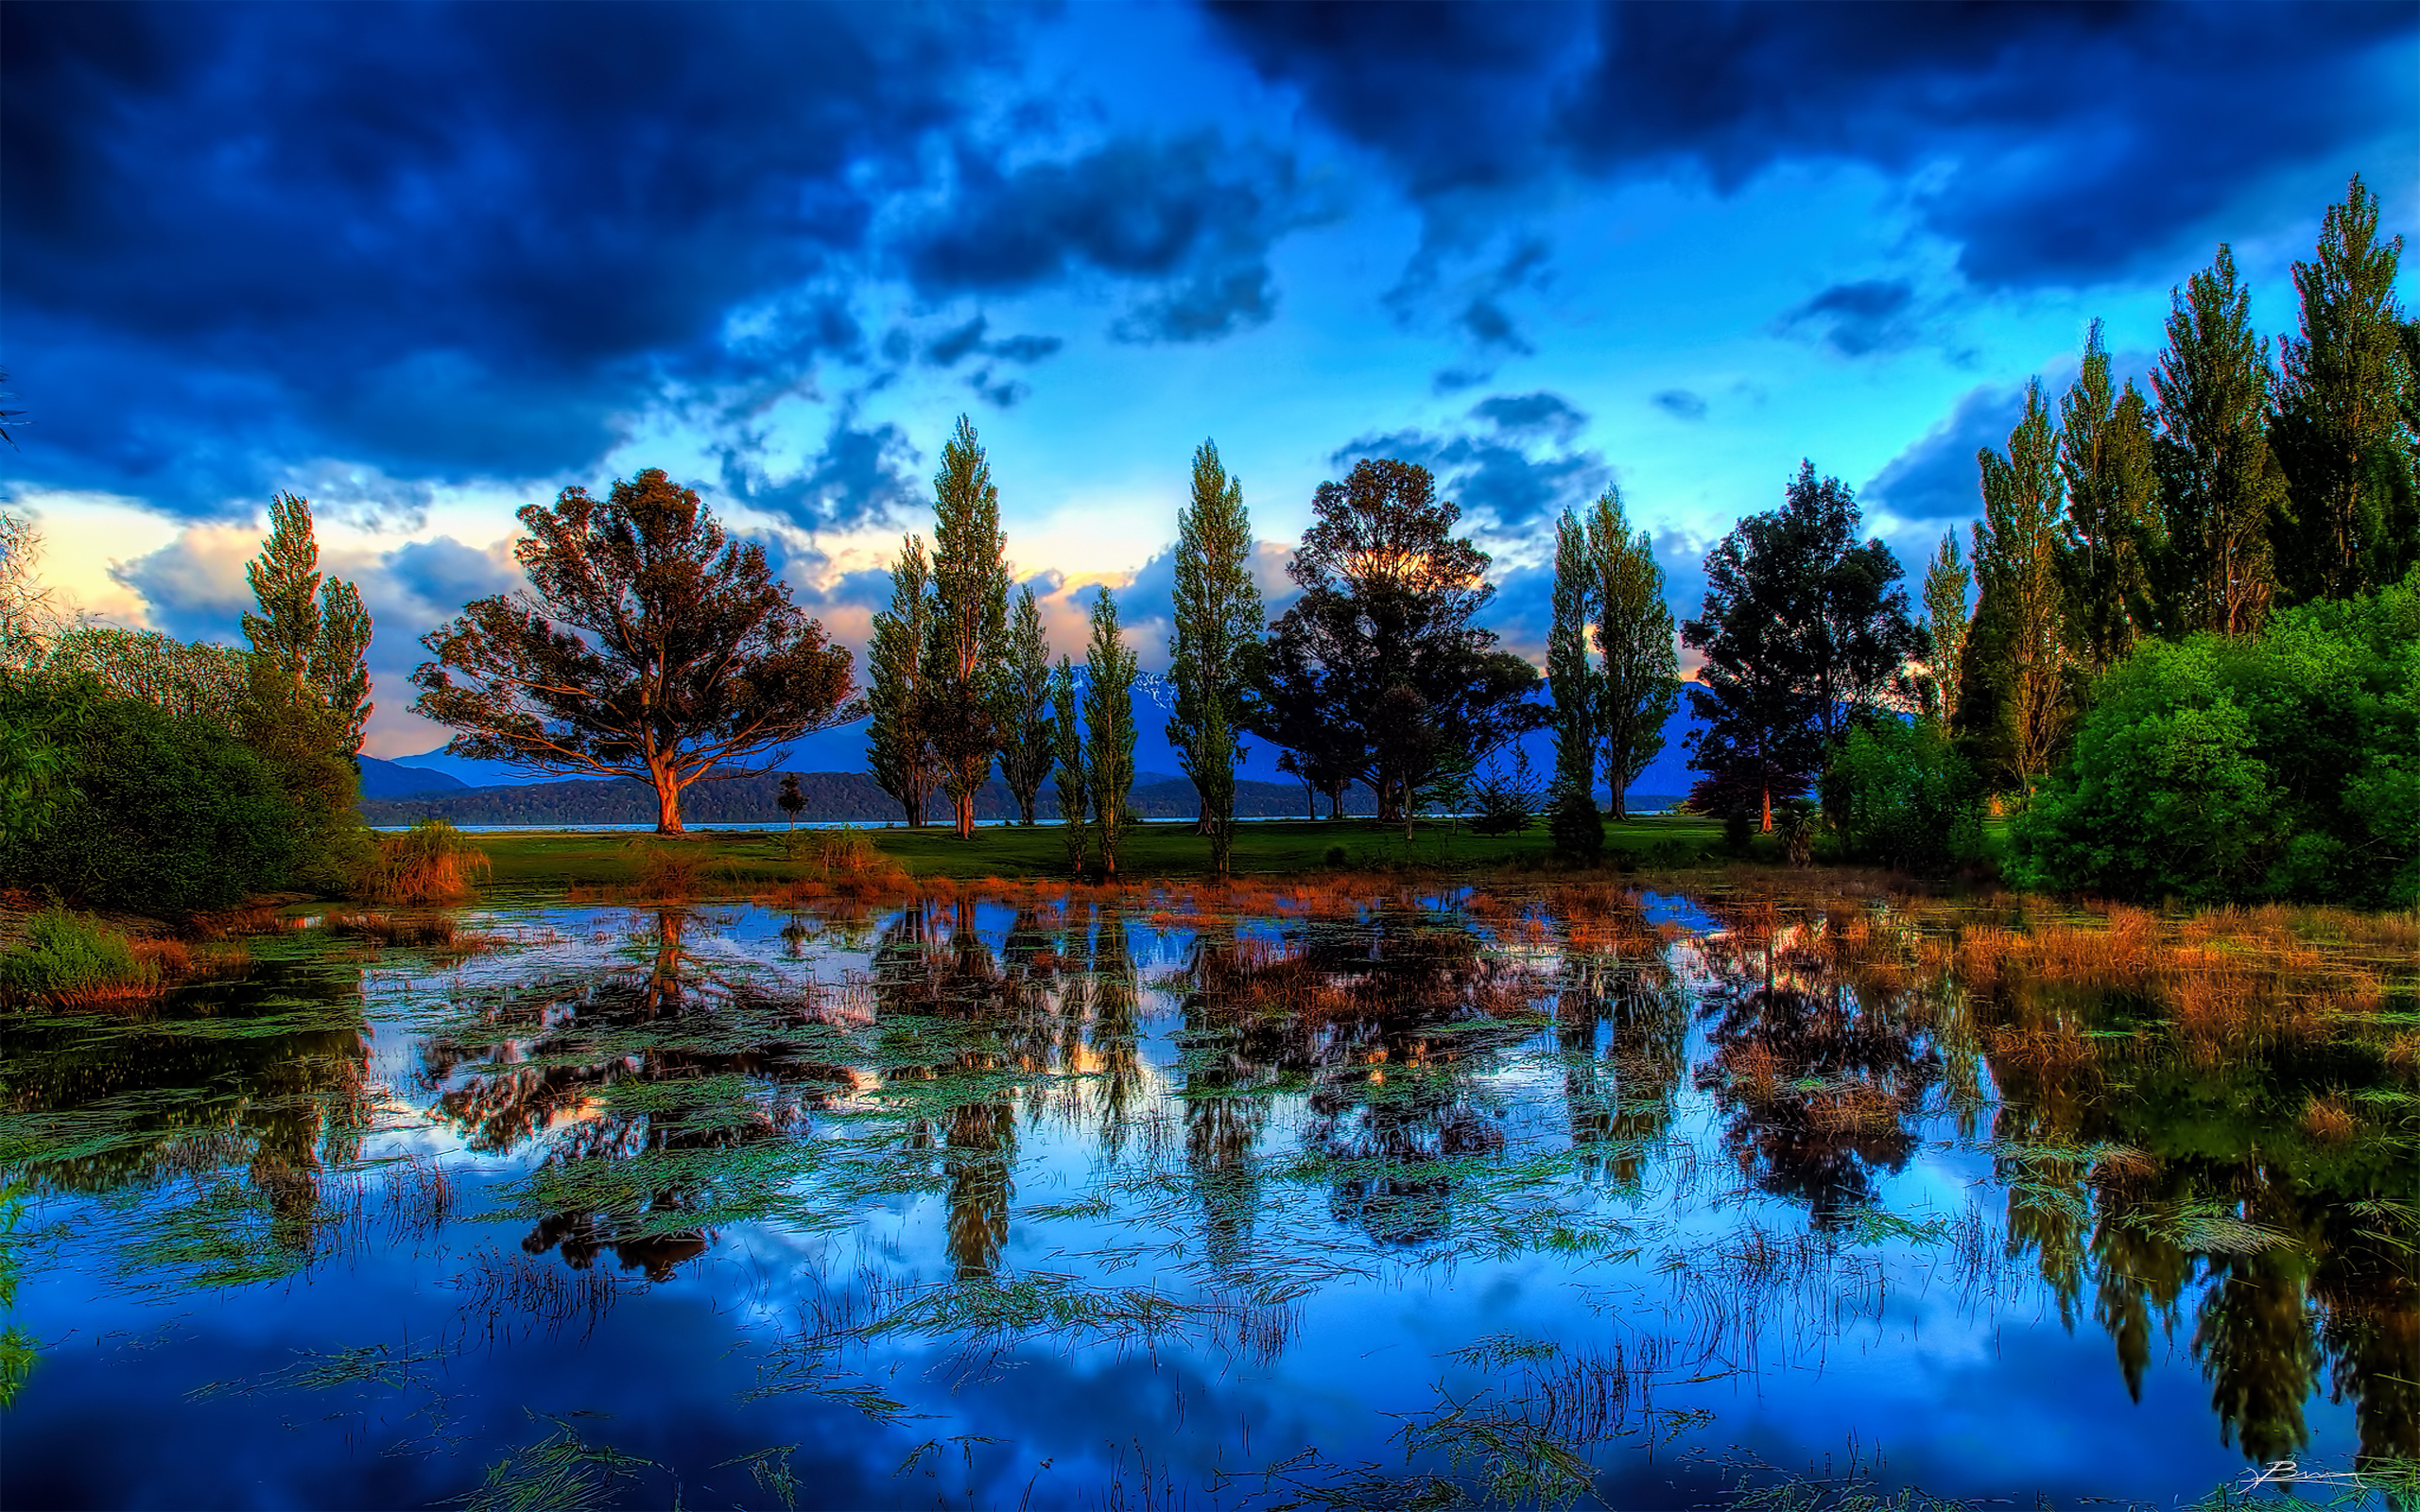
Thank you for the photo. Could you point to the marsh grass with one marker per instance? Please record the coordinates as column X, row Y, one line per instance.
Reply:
column 560, row 1472
column 70, row 959
column 430, row 863
column 503, row 1292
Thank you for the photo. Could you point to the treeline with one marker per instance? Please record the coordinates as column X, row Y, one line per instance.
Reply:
column 140, row 772
column 2182, row 649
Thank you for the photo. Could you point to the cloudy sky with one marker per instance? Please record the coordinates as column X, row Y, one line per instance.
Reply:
column 426, row 265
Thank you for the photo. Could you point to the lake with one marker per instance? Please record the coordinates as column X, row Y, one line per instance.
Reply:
column 1352, row 1193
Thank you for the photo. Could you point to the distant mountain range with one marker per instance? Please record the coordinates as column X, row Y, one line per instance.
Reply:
column 841, row 797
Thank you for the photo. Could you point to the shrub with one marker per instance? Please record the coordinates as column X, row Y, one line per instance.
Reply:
column 1900, row 794
column 70, row 958
column 430, row 863
column 2282, row 767
column 1576, row 827
column 148, row 810
column 1505, row 803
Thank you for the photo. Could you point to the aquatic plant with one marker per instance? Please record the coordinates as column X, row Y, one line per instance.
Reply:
column 73, row 958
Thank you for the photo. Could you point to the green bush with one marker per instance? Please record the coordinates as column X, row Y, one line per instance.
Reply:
column 2281, row 766
column 1576, row 827
column 65, row 956
column 1900, row 795
column 148, row 810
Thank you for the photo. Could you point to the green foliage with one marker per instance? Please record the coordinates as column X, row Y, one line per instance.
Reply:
column 1026, row 747
column 2218, row 769
column 2105, row 460
column 1109, row 729
column 1899, row 794
column 1068, row 739
column 965, row 649
column 314, row 633
column 1949, row 587
column 210, row 683
column 67, row 956
column 1506, row 803
column 1639, row 684
column 1576, row 826
column 1570, row 679
column 2021, row 652
column 898, row 752
column 1213, row 643
column 152, row 812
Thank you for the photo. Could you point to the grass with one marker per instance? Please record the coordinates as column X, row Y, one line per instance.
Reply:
column 72, row 958
column 430, row 863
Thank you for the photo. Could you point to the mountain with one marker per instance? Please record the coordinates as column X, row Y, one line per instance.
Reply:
column 842, row 796
column 382, row 779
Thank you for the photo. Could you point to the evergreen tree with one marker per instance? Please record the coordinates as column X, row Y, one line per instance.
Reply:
column 1027, row 748
column 792, row 801
column 967, row 646
column 1571, row 679
column 898, row 751
column 1217, row 631
column 307, row 694
column 2219, row 486
column 1109, row 729
column 1068, row 743
column 2017, row 557
column 2340, row 427
column 1947, row 585
column 1640, row 684
column 2105, row 461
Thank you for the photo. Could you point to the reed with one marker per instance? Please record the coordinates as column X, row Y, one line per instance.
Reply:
column 72, row 959
column 430, row 863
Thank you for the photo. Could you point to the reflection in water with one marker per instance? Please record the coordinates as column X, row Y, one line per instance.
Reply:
column 1255, row 1107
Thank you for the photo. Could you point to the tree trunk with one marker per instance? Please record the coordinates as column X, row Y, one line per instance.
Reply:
column 1769, row 810
column 1621, row 798
column 668, row 802
column 964, row 805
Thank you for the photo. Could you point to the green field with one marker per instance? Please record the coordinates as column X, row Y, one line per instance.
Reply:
column 1166, row 848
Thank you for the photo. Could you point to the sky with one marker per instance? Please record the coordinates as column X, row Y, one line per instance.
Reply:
column 428, row 265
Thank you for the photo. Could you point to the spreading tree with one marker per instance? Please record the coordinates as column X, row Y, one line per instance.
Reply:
column 965, row 646
column 1026, row 745
column 647, row 646
column 1216, row 635
column 1640, row 684
column 899, row 751
column 2219, row 486
column 2111, row 525
column 1109, row 729
column 1803, row 630
column 2339, row 428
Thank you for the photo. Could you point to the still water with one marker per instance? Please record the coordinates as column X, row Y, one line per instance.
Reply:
column 1068, row 1199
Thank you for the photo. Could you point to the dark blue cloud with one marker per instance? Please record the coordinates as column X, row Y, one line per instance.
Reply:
column 1505, row 491
column 1526, row 415
column 1858, row 319
column 2069, row 141
column 1681, row 403
column 863, row 476
column 1936, row 478
column 959, row 342
column 447, row 572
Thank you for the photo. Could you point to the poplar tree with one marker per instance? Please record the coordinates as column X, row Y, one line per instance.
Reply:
column 2106, row 462
column 1027, row 745
column 1109, row 729
column 1640, row 684
column 2219, row 486
column 2017, row 557
column 965, row 646
column 1068, row 743
column 897, row 748
column 2338, row 425
column 307, row 694
column 1571, row 679
column 1218, row 625
column 1947, row 584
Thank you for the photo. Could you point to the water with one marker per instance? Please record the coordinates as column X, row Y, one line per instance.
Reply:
column 1055, row 1200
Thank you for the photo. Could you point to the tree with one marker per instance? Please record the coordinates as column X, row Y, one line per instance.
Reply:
column 1026, row 745
column 1109, row 729
column 2219, row 486
column 647, row 644
column 27, row 622
column 1217, row 631
column 1389, row 595
column 307, row 696
column 898, row 750
column 2016, row 557
column 1947, row 583
column 1571, row 679
column 2339, row 425
column 2106, row 462
column 1068, row 741
column 1290, row 704
column 1641, row 683
column 791, row 800
column 1802, row 631
column 965, row 646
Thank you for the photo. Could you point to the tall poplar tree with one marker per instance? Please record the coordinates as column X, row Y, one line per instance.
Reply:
column 2338, row 429
column 307, row 694
column 1640, row 684
column 1571, row 679
column 1067, row 747
column 1948, row 584
column 1109, row 729
column 1217, row 630
column 897, row 748
column 966, row 644
column 2017, row 557
column 2220, row 487
column 2106, row 462
column 1027, row 745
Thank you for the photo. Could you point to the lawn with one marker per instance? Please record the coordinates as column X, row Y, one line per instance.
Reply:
column 1164, row 848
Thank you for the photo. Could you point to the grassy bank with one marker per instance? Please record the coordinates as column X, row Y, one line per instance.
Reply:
column 1171, row 849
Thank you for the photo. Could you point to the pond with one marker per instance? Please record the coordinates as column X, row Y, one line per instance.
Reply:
column 1349, row 1196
